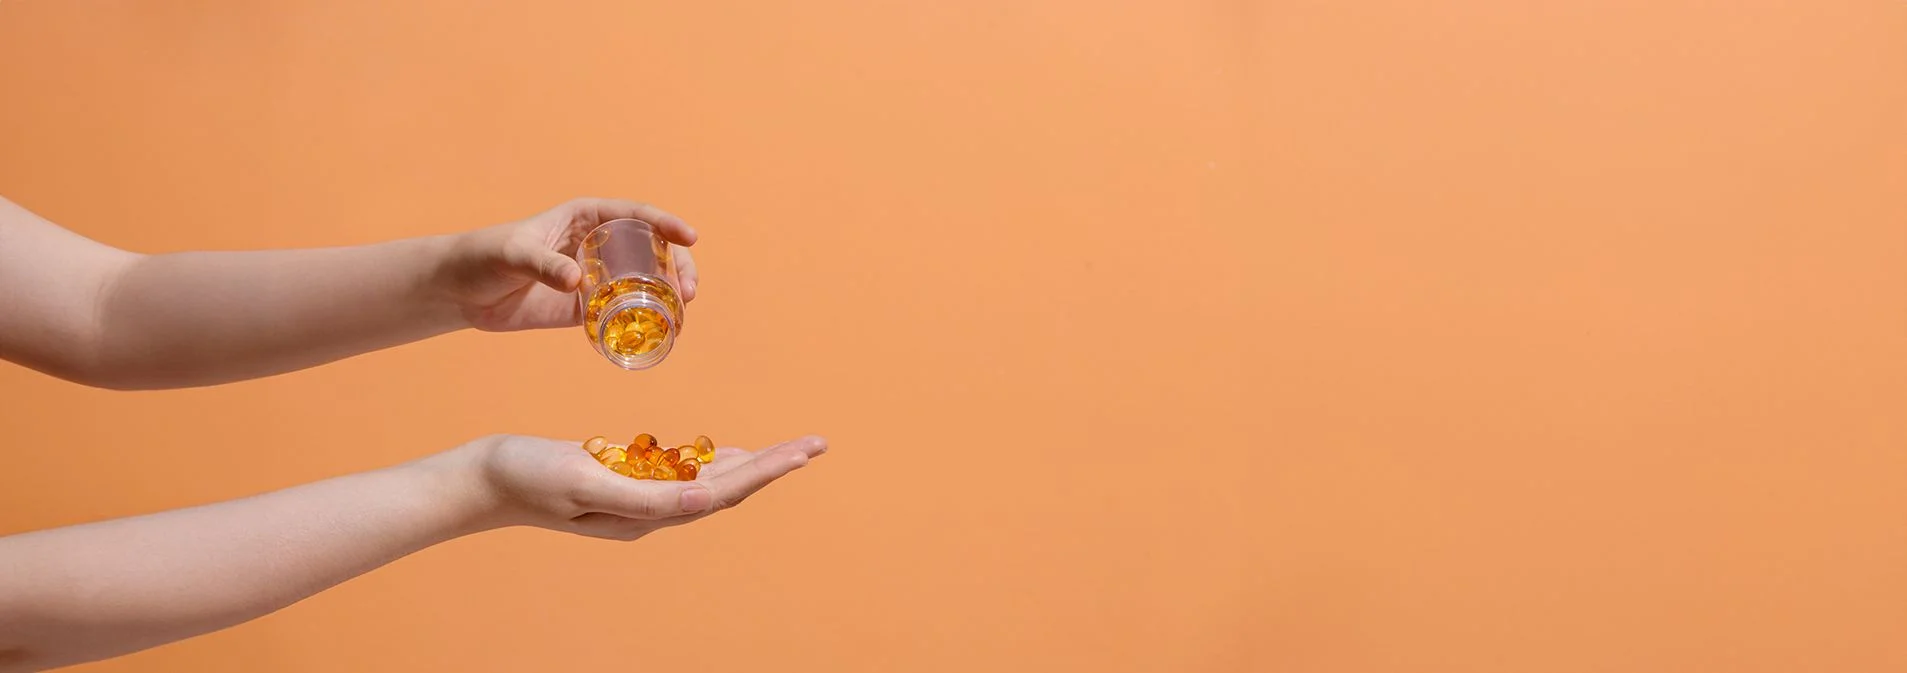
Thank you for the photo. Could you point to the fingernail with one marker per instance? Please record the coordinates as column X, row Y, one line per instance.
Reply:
column 696, row 499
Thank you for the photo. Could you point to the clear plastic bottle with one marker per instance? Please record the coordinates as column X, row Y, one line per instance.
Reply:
column 632, row 309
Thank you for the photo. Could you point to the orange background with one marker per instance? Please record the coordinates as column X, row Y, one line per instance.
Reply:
column 1230, row 336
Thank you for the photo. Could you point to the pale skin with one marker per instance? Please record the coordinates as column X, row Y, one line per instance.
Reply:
column 93, row 314
column 70, row 595
column 88, row 592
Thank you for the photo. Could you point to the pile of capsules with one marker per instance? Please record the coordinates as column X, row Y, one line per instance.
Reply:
column 643, row 459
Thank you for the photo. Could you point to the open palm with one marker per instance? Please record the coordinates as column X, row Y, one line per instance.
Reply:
column 556, row 484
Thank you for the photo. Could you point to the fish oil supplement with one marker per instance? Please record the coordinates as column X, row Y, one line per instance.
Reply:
column 636, row 331
column 595, row 272
column 644, row 458
column 632, row 310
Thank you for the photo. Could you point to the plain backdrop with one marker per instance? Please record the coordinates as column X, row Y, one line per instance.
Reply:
column 1473, row 335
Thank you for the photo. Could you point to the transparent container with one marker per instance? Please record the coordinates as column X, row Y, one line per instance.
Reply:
column 632, row 311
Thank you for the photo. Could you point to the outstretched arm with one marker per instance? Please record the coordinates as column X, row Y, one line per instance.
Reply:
column 90, row 313
column 93, row 591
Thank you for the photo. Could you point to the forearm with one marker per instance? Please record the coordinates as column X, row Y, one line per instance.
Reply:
column 91, row 313
column 98, row 590
column 203, row 318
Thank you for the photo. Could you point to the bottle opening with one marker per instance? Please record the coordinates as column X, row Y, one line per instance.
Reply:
column 637, row 331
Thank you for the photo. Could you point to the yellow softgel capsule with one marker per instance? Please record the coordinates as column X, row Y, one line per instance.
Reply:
column 622, row 468
column 665, row 473
column 670, row 457
column 595, row 445
column 631, row 341
column 704, row 449
column 643, row 441
column 686, row 470
column 612, row 455
column 596, row 239
column 652, row 454
column 594, row 271
column 642, row 469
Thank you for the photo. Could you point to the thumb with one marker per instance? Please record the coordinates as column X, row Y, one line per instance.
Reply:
column 544, row 265
column 638, row 499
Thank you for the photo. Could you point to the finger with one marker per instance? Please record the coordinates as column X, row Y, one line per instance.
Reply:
column 736, row 484
column 685, row 272
column 611, row 493
column 546, row 266
column 598, row 211
column 811, row 446
column 726, row 459
column 729, row 458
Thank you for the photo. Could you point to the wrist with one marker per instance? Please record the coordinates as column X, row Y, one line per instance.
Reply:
column 440, row 278
column 456, row 484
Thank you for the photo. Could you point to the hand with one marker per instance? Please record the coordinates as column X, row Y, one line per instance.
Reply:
column 557, row 485
column 522, row 275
